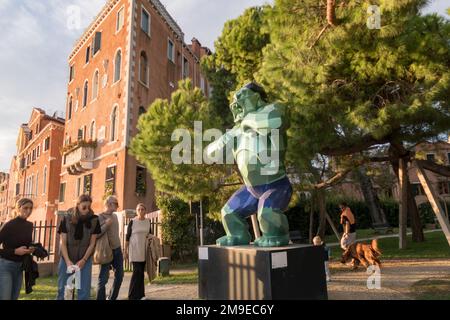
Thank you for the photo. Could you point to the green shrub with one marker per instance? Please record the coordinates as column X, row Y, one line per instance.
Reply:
column 427, row 214
column 178, row 227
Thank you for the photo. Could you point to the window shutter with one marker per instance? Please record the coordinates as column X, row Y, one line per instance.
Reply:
column 97, row 42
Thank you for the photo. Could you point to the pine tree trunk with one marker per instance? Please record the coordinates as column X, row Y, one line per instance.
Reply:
column 321, row 200
column 370, row 195
column 331, row 12
column 414, row 216
column 413, row 212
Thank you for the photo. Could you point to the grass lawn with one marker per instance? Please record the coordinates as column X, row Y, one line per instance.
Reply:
column 360, row 234
column 45, row 289
column 184, row 266
column 432, row 289
column 182, row 278
column 434, row 247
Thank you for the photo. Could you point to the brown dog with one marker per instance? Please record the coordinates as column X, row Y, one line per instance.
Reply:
column 366, row 254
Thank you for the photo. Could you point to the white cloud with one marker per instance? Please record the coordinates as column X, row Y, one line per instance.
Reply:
column 33, row 61
column 439, row 6
column 4, row 4
column 204, row 19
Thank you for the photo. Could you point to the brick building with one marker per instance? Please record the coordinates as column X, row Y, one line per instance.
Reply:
column 438, row 152
column 36, row 167
column 4, row 186
column 131, row 54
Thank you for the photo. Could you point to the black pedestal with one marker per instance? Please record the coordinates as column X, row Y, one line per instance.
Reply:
column 294, row 272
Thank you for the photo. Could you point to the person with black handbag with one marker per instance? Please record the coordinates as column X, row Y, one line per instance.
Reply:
column 16, row 238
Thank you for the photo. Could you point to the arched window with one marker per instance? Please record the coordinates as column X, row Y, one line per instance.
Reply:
column 85, row 93
column 114, row 117
column 95, row 82
column 69, row 108
column 37, row 184
column 31, row 186
column 143, row 68
column 92, row 131
column 117, row 66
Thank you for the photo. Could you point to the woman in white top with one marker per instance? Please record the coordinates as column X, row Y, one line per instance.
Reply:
column 135, row 247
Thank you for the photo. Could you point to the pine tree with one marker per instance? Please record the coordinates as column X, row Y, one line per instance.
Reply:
column 237, row 57
column 153, row 145
column 352, row 88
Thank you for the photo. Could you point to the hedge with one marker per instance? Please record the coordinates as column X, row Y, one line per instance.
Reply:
column 298, row 215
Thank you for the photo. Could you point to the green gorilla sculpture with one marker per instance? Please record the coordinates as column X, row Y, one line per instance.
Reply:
column 258, row 144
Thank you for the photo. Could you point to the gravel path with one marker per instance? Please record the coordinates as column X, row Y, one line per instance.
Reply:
column 397, row 276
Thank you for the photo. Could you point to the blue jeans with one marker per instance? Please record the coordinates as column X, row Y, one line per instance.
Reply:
column 117, row 265
column 11, row 278
column 84, row 292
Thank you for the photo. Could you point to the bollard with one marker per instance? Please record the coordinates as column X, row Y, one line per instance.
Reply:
column 164, row 267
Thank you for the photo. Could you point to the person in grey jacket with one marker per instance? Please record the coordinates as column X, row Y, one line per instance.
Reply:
column 110, row 228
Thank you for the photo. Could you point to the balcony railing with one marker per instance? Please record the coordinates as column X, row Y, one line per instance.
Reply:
column 79, row 157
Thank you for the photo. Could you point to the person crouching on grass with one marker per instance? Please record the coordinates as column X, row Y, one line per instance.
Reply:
column 79, row 230
column 317, row 241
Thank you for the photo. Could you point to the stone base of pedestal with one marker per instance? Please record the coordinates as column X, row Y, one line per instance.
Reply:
column 294, row 272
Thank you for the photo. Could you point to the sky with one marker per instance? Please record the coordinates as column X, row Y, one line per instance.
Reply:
column 37, row 37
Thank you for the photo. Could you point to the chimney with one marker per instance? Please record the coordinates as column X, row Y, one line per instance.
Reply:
column 196, row 47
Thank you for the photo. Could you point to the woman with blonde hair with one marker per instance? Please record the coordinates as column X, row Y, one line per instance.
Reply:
column 137, row 232
column 16, row 238
column 79, row 230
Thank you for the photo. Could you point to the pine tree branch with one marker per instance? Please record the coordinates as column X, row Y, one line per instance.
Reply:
column 349, row 148
column 380, row 159
column 338, row 177
column 230, row 184
column 318, row 37
column 434, row 167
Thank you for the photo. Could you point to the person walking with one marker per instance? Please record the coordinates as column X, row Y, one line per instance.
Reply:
column 16, row 238
column 135, row 250
column 110, row 228
column 348, row 223
column 78, row 230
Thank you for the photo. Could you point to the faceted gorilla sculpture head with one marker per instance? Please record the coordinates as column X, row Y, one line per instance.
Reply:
column 249, row 98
